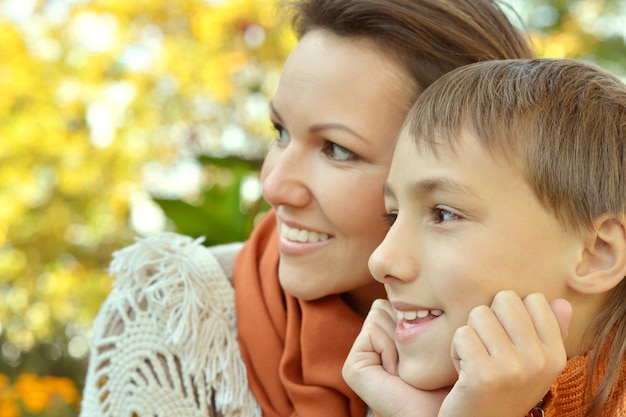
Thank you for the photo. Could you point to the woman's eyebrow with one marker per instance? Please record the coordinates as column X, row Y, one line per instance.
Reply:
column 316, row 128
column 337, row 126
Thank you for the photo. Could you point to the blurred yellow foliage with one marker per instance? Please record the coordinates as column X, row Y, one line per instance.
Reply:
column 37, row 396
column 570, row 41
column 87, row 99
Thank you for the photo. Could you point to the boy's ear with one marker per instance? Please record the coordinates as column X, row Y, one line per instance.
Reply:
column 603, row 262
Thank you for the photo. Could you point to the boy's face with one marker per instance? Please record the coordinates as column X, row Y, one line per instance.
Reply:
column 467, row 226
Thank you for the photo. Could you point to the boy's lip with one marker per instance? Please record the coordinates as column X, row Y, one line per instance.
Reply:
column 400, row 306
column 412, row 320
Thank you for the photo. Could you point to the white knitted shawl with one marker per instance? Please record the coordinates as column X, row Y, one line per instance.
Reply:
column 165, row 341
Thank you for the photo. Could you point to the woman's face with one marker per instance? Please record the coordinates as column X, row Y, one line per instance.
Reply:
column 338, row 108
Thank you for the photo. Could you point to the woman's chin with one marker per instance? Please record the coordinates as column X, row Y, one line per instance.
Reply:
column 300, row 286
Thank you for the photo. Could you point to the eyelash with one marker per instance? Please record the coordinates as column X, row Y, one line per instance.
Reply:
column 437, row 213
column 279, row 130
column 328, row 148
column 390, row 218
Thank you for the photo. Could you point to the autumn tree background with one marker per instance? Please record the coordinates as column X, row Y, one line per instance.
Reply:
column 121, row 118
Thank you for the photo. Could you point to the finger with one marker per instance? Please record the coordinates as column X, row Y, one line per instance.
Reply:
column 529, row 323
column 382, row 313
column 375, row 345
column 490, row 330
column 545, row 322
column 562, row 310
column 386, row 347
column 466, row 346
column 512, row 313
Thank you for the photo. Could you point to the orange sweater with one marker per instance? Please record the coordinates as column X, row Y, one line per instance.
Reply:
column 566, row 399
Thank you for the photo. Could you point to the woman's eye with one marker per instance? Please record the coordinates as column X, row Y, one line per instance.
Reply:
column 281, row 133
column 390, row 218
column 441, row 215
column 338, row 153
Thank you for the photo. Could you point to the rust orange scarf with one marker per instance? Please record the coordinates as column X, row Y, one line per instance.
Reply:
column 294, row 350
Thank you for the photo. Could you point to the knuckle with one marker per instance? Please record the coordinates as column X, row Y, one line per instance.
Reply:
column 379, row 303
column 478, row 312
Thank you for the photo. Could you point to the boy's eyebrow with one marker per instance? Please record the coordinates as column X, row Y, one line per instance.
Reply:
column 275, row 112
column 322, row 126
column 430, row 185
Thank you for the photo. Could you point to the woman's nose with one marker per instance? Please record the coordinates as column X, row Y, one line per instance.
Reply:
column 285, row 177
column 396, row 258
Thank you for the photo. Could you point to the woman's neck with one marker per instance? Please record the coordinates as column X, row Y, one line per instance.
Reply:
column 362, row 298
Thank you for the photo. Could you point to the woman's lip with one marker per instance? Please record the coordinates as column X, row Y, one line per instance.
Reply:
column 297, row 232
column 297, row 225
column 290, row 248
column 296, row 239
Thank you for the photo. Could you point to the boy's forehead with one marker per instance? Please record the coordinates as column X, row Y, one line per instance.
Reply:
column 450, row 146
column 463, row 166
column 431, row 144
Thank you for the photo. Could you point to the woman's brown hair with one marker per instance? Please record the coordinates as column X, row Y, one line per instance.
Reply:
column 428, row 37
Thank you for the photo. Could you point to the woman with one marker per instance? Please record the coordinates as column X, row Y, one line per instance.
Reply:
column 165, row 339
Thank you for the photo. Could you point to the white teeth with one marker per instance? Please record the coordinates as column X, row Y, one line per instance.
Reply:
column 301, row 235
column 407, row 315
column 417, row 314
column 291, row 234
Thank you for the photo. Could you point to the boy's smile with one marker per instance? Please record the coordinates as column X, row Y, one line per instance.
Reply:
column 466, row 225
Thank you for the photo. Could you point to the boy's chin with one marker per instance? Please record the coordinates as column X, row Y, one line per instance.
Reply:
column 430, row 379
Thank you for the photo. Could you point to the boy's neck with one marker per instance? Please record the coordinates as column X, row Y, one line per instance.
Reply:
column 586, row 308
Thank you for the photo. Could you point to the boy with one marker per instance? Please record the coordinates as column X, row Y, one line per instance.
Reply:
column 508, row 175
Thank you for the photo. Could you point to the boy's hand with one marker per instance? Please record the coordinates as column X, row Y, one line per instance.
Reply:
column 371, row 370
column 507, row 356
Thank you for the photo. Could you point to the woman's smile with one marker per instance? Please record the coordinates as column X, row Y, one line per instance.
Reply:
column 299, row 241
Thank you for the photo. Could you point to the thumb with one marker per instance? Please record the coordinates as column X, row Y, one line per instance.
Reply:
column 562, row 310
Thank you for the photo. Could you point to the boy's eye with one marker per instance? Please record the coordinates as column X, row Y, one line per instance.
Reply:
column 336, row 152
column 281, row 133
column 390, row 218
column 441, row 215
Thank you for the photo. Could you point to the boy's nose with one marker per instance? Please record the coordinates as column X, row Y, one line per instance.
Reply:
column 396, row 258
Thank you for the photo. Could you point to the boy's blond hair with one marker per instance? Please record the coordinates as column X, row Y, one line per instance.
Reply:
column 562, row 124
